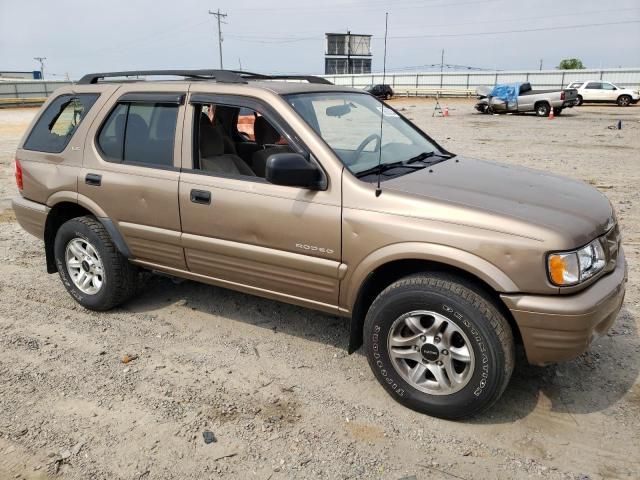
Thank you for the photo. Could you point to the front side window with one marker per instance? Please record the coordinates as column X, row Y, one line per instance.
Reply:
column 140, row 133
column 608, row 86
column 362, row 131
column 234, row 140
column 58, row 123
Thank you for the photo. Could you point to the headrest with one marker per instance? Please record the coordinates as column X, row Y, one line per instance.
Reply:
column 136, row 126
column 211, row 140
column 265, row 134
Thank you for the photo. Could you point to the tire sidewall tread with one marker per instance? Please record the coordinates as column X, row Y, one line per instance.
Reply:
column 484, row 325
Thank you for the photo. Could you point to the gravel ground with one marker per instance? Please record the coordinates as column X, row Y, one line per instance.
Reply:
column 273, row 382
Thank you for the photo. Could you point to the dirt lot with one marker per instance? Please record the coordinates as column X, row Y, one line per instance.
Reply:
column 274, row 382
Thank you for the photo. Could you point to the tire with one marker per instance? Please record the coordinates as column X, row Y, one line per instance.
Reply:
column 579, row 101
column 449, row 302
column 387, row 96
column 542, row 109
column 111, row 278
column 557, row 111
column 624, row 101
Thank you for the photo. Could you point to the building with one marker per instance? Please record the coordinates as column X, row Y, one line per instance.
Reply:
column 347, row 53
column 32, row 75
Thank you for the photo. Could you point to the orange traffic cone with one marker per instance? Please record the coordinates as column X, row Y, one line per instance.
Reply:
column 446, row 110
column 551, row 115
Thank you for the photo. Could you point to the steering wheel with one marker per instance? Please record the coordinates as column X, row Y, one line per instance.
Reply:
column 364, row 143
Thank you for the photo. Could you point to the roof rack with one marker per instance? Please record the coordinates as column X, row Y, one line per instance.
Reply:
column 221, row 76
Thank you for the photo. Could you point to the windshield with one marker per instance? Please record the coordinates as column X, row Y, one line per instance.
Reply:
column 350, row 124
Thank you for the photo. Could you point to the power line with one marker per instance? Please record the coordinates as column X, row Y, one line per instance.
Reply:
column 218, row 16
column 524, row 30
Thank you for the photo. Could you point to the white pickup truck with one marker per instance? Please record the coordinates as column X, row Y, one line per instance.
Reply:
column 520, row 98
column 598, row 91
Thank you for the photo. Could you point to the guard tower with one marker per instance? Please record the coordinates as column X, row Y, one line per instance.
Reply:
column 347, row 53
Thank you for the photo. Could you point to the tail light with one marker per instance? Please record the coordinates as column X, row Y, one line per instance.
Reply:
column 562, row 95
column 19, row 181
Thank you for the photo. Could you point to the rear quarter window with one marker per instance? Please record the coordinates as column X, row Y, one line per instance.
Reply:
column 57, row 124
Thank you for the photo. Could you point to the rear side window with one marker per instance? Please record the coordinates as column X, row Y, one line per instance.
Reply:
column 594, row 85
column 58, row 123
column 140, row 133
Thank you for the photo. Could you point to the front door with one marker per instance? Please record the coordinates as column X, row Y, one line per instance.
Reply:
column 245, row 233
column 131, row 170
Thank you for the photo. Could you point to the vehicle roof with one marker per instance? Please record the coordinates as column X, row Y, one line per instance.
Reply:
column 279, row 84
column 276, row 86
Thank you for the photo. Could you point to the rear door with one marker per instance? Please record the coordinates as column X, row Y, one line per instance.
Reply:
column 131, row 171
column 243, row 232
column 593, row 92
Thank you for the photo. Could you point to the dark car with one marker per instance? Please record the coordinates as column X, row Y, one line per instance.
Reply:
column 380, row 91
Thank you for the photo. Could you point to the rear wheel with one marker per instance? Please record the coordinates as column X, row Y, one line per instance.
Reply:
column 579, row 101
column 543, row 109
column 624, row 100
column 438, row 346
column 92, row 270
column 557, row 111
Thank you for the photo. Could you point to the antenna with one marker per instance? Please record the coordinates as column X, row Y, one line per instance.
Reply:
column 384, row 75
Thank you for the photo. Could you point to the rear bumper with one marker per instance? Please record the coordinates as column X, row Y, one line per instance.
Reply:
column 559, row 327
column 30, row 215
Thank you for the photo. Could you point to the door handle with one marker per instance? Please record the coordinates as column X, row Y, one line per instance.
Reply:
column 93, row 179
column 201, row 196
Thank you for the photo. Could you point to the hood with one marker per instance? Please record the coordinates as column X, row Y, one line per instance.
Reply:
column 567, row 207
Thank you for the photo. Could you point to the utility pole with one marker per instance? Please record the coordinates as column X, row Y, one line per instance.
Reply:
column 41, row 60
column 240, row 63
column 219, row 15
column 349, row 69
column 442, row 61
column 541, row 64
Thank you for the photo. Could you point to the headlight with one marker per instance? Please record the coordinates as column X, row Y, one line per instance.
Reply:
column 571, row 268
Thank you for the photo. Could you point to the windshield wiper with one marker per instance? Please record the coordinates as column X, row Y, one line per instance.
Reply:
column 383, row 167
column 425, row 155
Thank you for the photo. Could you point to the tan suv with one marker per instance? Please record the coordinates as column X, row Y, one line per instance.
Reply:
column 324, row 197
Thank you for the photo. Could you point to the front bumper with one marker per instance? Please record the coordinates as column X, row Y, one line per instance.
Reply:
column 30, row 215
column 561, row 327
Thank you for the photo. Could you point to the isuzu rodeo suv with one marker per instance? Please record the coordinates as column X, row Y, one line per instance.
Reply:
column 322, row 196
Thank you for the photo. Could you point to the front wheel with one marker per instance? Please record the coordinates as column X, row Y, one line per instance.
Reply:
column 92, row 270
column 624, row 100
column 438, row 346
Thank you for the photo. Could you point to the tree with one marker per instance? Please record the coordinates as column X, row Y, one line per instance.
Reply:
column 571, row 64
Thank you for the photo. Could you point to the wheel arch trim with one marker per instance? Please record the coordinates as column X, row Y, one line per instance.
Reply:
column 469, row 262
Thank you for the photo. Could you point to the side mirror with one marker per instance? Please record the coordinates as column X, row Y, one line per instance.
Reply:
column 293, row 170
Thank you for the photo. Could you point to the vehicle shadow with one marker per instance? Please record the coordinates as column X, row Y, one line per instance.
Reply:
column 591, row 383
column 160, row 292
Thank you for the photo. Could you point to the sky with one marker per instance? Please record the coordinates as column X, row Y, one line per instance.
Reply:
column 286, row 36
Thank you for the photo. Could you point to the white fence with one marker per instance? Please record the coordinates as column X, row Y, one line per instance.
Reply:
column 425, row 83
column 24, row 90
column 463, row 81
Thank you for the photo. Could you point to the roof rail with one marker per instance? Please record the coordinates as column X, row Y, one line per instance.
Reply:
column 226, row 76
column 222, row 76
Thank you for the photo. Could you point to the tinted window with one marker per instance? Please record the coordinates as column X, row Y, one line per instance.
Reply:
column 140, row 133
column 594, row 85
column 57, row 124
